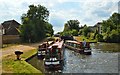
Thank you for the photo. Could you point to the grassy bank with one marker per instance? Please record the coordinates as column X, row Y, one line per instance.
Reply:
column 11, row 65
column 80, row 38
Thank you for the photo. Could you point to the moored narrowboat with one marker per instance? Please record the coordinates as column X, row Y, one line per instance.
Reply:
column 54, row 56
column 74, row 45
column 78, row 47
column 42, row 48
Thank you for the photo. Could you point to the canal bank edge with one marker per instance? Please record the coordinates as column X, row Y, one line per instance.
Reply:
column 10, row 65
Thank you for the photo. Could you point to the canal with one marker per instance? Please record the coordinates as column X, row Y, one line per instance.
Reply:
column 104, row 59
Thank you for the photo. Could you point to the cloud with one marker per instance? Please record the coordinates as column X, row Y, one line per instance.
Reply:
column 87, row 12
column 119, row 6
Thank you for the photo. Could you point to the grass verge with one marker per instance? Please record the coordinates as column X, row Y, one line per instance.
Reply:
column 12, row 66
column 80, row 38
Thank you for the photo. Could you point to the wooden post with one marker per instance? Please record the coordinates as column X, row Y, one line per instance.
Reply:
column 1, row 40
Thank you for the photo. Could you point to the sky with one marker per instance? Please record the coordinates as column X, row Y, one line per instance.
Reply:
column 86, row 11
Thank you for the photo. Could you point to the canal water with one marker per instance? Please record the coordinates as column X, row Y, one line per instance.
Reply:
column 104, row 59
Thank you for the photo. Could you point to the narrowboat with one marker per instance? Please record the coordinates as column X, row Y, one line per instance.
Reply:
column 54, row 57
column 87, row 49
column 42, row 48
column 78, row 47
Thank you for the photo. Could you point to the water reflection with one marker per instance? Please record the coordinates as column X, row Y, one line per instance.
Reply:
column 98, row 62
column 95, row 63
column 106, row 47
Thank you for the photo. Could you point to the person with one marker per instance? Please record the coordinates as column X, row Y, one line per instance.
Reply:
column 84, row 43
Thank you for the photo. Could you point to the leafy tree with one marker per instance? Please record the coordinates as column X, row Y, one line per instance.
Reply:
column 114, row 36
column 73, row 24
column 74, row 32
column 34, row 24
column 49, row 29
column 96, row 32
column 71, row 28
column 99, row 37
column 66, row 33
column 80, row 32
column 111, row 28
column 85, row 30
column 66, row 27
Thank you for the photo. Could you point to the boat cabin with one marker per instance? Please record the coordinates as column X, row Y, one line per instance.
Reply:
column 42, row 49
column 54, row 56
column 78, row 46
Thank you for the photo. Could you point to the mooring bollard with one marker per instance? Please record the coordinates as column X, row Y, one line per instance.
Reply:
column 18, row 53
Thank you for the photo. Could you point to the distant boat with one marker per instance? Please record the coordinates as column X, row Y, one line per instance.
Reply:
column 54, row 56
column 78, row 47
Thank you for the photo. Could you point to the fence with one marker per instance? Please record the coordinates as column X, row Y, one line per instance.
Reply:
column 11, row 39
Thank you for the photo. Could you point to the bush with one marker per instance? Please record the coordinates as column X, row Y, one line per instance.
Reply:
column 114, row 36
column 106, row 38
column 74, row 32
column 99, row 37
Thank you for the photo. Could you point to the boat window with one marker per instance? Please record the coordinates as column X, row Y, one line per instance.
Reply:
column 71, row 44
column 75, row 45
column 48, row 51
column 57, row 50
column 47, row 56
column 78, row 45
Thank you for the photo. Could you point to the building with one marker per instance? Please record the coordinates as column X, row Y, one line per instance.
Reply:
column 10, row 31
column 10, row 27
column 99, row 27
column 92, row 28
column 1, row 33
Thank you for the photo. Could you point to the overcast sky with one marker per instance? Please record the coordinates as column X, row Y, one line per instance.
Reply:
column 86, row 11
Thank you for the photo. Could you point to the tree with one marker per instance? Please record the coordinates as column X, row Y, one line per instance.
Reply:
column 85, row 30
column 74, row 32
column 71, row 28
column 34, row 24
column 95, row 33
column 111, row 28
column 49, row 29
column 114, row 36
column 73, row 24
column 99, row 37
column 66, row 33
column 66, row 27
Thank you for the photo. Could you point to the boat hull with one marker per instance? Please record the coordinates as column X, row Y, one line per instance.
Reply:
column 82, row 51
column 41, row 54
column 56, row 67
column 87, row 51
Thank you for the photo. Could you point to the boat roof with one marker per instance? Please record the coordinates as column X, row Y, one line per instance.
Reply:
column 58, row 44
column 49, row 42
column 73, row 41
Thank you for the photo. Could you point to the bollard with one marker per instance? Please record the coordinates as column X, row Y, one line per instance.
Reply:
column 18, row 53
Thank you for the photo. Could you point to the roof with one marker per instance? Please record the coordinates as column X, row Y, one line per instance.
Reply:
column 97, row 24
column 10, row 21
column 6, row 24
column 58, row 44
column 10, row 27
column 73, row 42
